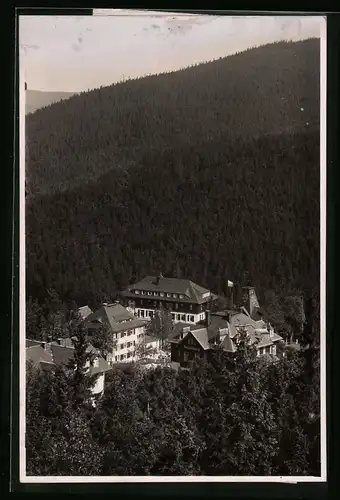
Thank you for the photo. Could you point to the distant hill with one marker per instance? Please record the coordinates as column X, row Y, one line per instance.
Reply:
column 268, row 89
column 36, row 99
column 210, row 173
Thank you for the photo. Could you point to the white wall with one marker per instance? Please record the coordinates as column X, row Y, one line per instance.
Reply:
column 187, row 317
column 121, row 347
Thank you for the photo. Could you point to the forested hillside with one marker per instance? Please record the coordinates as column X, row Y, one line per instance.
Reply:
column 267, row 89
column 207, row 173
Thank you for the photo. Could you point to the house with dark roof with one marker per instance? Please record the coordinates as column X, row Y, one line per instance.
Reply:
column 184, row 299
column 127, row 330
column 48, row 355
column 221, row 330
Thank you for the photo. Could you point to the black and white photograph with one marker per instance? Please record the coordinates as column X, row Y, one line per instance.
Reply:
column 172, row 247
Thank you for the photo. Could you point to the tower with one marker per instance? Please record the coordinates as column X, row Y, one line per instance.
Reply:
column 250, row 301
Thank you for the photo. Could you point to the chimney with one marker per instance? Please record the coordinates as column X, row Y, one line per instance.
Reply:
column 159, row 278
column 207, row 317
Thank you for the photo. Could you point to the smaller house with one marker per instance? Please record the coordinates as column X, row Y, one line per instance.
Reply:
column 127, row 330
column 222, row 330
column 48, row 355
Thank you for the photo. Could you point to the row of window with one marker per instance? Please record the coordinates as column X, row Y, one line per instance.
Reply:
column 141, row 313
column 121, row 335
column 127, row 345
column 160, row 294
column 183, row 317
column 123, row 356
column 144, row 314
column 160, row 304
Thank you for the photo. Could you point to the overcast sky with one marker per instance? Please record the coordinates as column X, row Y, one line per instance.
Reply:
column 79, row 53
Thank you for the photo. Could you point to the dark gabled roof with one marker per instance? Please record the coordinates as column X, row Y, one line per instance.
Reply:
column 191, row 291
column 114, row 315
column 36, row 354
column 216, row 324
column 178, row 327
column 200, row 335
column 61, row 355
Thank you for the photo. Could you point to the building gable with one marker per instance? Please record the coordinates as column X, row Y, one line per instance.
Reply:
column 168, row 289
column 190, row 342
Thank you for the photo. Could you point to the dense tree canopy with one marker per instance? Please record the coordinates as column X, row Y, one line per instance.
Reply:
column 233, row 415
column 235, row 208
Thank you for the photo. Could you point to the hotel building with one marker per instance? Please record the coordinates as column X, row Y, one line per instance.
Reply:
column 185, row 300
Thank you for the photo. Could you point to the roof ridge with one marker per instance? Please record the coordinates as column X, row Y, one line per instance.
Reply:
column 194, row 290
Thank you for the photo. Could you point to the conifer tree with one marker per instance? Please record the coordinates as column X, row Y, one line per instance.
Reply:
column 160, row 326
column 79, row 364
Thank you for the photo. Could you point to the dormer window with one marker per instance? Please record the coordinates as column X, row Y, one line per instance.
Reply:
column 181, row 296
column 161, row 294
column 137, row 292
column 168, row 294
column 175, row 295
column 149, row 293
